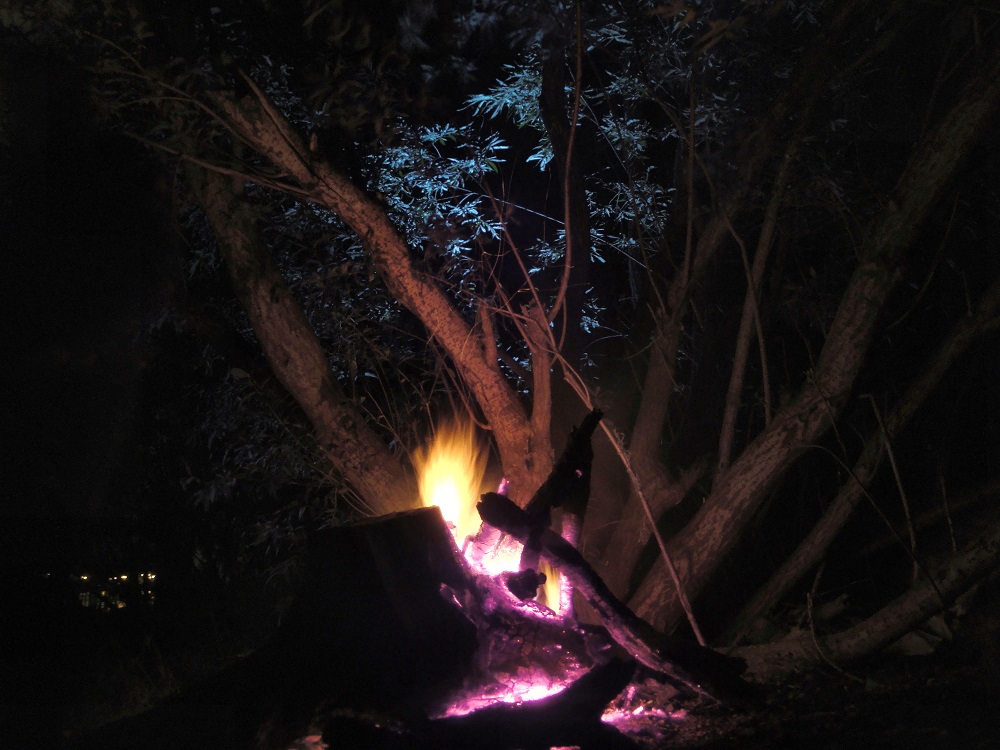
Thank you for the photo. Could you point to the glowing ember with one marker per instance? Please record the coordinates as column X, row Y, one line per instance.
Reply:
column 451, row 472
column 532, row 687
column 310, row 742
column 493, row 553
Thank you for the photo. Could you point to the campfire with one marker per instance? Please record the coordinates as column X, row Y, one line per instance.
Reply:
column 460, row 636
column 432, row 628
column 451, row 471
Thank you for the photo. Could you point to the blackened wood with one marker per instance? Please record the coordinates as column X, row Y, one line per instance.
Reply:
column 369, row 629
column 373, row 605
column 570, row 718
column 686, row 664
column 568, row 486
column 524, row 584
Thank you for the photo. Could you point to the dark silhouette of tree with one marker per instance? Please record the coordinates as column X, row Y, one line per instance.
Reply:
column 754, row 234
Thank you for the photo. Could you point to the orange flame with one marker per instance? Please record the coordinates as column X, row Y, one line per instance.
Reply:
column 550, row 592
column 451, row 471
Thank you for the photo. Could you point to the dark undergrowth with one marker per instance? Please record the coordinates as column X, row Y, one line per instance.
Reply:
column 68, row 669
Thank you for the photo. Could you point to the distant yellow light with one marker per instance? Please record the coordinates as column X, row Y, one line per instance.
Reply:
column 83, row 578
column 124, row 577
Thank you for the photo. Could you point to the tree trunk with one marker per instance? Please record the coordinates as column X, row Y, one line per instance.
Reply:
column 702, row 545
column 526, row 453
column 295, row 354
column 796, row 105
column 814, row 546
column 894, row 620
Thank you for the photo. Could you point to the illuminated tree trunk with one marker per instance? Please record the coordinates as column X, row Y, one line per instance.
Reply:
column 295, row 354
column 525, row 449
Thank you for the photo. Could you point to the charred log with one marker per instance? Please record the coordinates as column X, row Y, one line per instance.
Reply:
column 568, row 486
column 571, row 718
column 524, row 584
column 370, row 630
column 688, row 665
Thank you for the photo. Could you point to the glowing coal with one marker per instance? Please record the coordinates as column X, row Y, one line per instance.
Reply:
column 451, row 471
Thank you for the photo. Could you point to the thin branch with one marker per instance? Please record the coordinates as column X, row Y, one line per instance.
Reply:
column 689, row 229
column 517, row 254
column 575, row 381
column 570, row 228
column 820, row 650
column 219, row 169
column 899, row 485
column 751, row 309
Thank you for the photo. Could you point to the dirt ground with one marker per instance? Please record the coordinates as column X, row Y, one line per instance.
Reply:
column 949, row 699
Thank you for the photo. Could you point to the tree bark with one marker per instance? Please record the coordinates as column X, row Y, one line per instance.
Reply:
column 796, row 105
column 814, row 546
column 525, row 453
column 892, row 621
column 295, row 355
column 702, row 545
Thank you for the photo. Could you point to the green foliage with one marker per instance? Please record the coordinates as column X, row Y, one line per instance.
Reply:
column 430, row 181
column 516, row 96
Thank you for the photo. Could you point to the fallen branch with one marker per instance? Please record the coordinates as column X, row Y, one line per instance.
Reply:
column 926, row 598
column 570, row 718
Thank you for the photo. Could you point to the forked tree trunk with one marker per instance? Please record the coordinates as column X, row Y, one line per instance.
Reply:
column 525, row 451
column 795, row 105
column 812, row 549
column 702, row 545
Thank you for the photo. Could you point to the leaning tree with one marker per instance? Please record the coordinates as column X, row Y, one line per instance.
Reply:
column 734, row 227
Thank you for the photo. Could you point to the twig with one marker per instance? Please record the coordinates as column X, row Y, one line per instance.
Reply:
column 819, row 649
column 560, row 300
column 947, row 512
column 576, row 383
column 218, row 168
column 885, row 520
column 899, row 486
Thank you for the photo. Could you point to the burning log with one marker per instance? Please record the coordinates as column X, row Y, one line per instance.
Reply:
column 685, row 664
column 570, row 718
column 627, row 629
column 393, row 621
